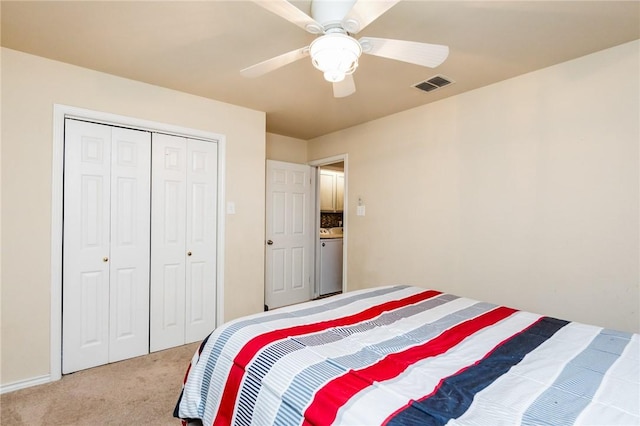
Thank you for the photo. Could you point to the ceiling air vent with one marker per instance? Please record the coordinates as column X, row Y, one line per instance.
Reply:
column 433, row 83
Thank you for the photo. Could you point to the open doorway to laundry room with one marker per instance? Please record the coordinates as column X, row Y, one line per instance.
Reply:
column 332, row 227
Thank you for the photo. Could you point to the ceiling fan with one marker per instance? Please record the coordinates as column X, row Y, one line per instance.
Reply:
column 336, row 52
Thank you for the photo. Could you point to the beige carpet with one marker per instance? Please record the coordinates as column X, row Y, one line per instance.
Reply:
column 138, row 391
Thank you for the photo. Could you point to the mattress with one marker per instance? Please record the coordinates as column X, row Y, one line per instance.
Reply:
column 402, row 355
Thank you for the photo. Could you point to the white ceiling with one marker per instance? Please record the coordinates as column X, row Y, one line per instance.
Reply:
column 199, row 47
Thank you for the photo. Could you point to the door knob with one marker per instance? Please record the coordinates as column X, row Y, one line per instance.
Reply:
column 105, row 259
column 188, row 253
column 322, row 244
column 269, row 242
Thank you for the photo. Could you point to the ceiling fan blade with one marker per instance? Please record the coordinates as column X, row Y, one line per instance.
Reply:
column 425, row 54
column 345, row 87
column 287, row 11
column 365, row 12
column 274, row 63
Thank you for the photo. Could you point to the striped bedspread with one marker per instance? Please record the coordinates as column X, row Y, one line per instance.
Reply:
column 408, row 356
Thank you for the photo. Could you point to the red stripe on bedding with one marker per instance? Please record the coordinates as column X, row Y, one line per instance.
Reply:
column 248, row 352
column 328, row 400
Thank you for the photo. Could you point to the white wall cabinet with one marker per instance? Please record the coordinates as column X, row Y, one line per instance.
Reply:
column 106, row 244
column 339, row 191
column 331, row 190
column 183, row 240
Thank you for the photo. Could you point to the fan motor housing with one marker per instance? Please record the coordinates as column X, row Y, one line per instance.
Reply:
column 328, row 12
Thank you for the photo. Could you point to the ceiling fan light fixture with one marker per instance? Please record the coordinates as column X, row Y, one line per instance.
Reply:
column 334, row 76
column 336, row 55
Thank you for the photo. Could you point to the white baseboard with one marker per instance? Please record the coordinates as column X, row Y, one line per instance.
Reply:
column 22, row 384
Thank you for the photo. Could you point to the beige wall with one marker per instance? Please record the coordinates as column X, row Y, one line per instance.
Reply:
column 284, row 148
column 30, row 87
column 523, row 193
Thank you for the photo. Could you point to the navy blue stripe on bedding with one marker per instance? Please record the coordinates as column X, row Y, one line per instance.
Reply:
column 456, row 392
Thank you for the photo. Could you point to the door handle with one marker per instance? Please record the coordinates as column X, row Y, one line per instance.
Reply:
column 105, row 259
column 269, row 242
column 323, row 244
column 188, row 253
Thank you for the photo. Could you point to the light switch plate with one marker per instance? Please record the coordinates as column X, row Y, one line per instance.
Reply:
column 360, row 211
column 231, row 207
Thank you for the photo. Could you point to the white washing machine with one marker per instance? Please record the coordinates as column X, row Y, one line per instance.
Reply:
column 330, row 265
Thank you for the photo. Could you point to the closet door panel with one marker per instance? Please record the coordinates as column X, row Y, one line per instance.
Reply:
column 168, row 241
column 85, row 301
column 130, row 243
column 202, row 172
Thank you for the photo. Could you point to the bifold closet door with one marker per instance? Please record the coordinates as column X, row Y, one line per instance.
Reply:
column 106, row 244
column 183, row 240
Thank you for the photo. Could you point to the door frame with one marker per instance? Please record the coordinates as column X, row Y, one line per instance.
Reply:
column 345, row 217
column 60, row 113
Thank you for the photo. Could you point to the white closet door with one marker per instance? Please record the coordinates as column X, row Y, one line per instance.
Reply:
column 85, row 301
column 130, row 239
column 168, row 242
column 183, row 240
column 202, row 165
column 106, row 244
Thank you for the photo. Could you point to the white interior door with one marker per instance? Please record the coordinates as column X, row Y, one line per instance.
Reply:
column 85, row 319
column 130, row 236
column 289, row 234
column 200, row 297
column 168, row 241
column 183, row 240
column 106, row 245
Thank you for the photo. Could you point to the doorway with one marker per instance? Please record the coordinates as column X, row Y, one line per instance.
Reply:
column 332, row 227
column 293, row 226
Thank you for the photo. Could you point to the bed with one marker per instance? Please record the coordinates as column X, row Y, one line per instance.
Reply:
column 402, row 355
